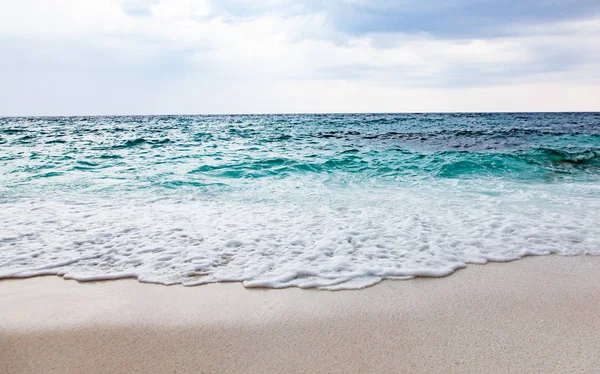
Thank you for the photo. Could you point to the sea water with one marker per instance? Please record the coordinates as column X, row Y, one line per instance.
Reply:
column 329, row 201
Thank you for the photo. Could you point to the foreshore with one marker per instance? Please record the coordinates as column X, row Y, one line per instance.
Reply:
column 539, row 314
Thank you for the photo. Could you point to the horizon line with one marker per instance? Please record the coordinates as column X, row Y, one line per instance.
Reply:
column 297, row 113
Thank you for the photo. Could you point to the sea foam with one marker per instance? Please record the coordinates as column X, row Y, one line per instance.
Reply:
column 279, row 235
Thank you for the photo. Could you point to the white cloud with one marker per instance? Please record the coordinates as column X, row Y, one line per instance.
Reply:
column 183, row 56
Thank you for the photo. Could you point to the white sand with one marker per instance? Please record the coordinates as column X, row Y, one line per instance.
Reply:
column 535, row 315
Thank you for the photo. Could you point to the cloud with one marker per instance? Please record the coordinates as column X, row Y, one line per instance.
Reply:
column 158, row 56
column 453, row 18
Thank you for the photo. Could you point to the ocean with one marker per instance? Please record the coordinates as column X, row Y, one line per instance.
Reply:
column 332, row 201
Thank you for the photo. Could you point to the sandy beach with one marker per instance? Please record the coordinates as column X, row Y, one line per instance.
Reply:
column 535, row 315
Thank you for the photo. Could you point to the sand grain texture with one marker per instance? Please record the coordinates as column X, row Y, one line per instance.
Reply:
column 535, row 315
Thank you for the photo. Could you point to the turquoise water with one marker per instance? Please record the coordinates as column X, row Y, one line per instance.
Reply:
column 339, row 200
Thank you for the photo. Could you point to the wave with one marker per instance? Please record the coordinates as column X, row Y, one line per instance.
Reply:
column 537, row 163
column 589, row 157
column 141, row 141
column 276, row 235
column 530, row 164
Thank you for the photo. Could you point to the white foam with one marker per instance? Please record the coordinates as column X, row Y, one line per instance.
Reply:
column 277, row 235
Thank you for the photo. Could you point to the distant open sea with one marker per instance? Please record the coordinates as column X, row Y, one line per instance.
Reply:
column 329, row 201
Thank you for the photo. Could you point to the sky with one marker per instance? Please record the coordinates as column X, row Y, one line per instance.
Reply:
column 101, row 57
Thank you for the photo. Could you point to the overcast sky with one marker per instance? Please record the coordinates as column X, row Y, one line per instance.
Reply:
column 72, row 57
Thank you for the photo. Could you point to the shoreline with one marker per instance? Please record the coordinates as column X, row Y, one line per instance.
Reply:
column 538, row 314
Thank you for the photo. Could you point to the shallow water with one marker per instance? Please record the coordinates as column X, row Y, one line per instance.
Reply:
column 330, row 201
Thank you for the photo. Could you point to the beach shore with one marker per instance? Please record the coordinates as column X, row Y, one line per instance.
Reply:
column 538, row 314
